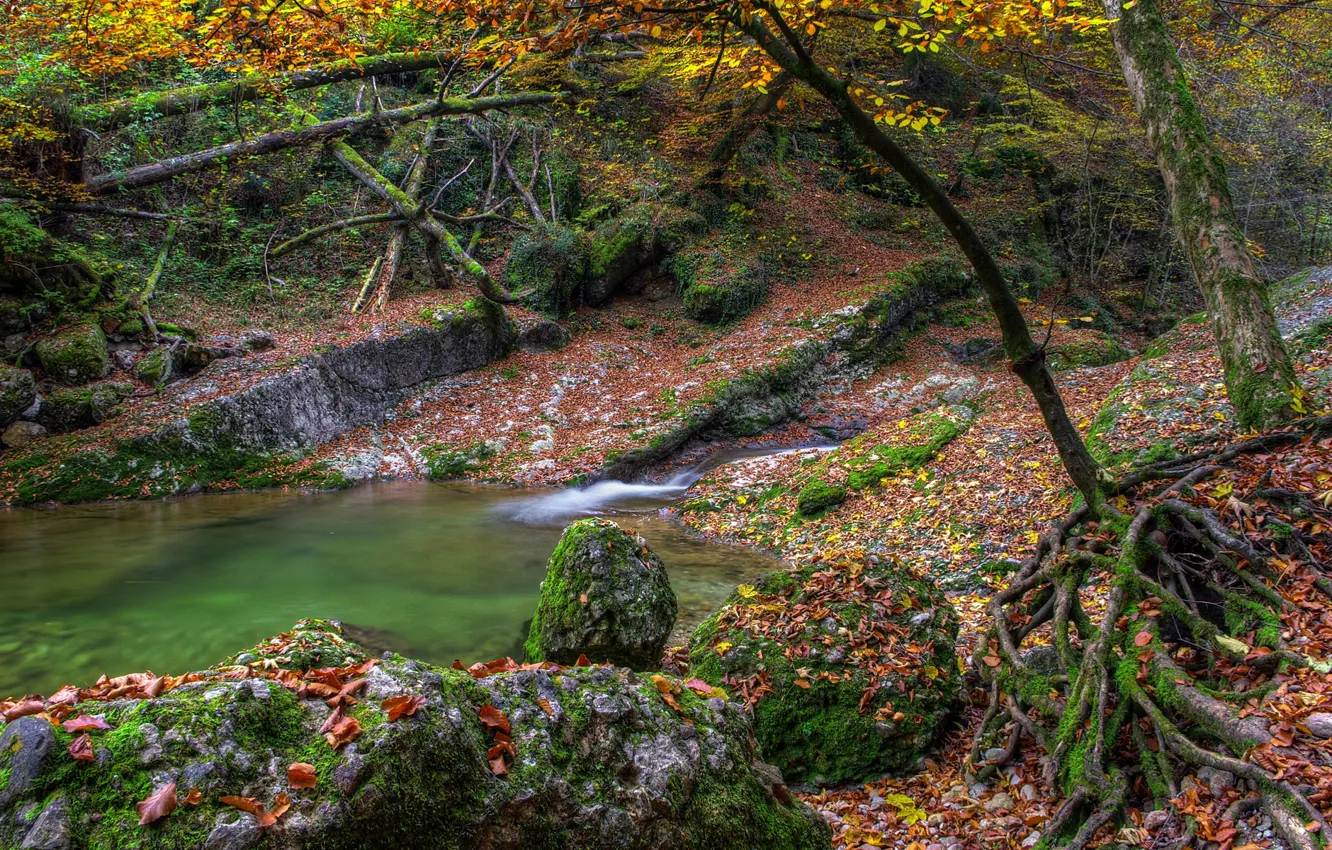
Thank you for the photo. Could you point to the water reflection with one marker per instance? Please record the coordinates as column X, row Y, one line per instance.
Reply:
column 443, row 572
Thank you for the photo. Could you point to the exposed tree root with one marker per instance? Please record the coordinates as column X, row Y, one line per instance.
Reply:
column 1191, row 584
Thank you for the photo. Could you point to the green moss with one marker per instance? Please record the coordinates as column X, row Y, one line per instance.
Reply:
column 818, row 497
column 71, row 409
column 819, row 732
column 443, row 463
column 933, row 433
column 1102, row 351
column 75, row 355
column 551, row 262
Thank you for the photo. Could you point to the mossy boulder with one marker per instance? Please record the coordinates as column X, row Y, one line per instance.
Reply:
column 717, row 284
column 606, row 595
column 641, row 235
column 156, row 367
column 597, row 757
column 82, row 407
column 75, row 355
column 851, row 664
column 18, row 391
column 1100, row 350
column 34, row 265
column 550, row 261
column 818, row 497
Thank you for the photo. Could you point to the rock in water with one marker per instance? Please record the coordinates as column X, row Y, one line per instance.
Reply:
column 606, row 596
column 864, row 688
column 552, row 757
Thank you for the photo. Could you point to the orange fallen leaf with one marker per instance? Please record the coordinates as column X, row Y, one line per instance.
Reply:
column 493, row 718
column 194, row 798
column 1142, row 639
column 81, row 748
column 23, row 709
column 498, row 767
column 345, row 731
column 403, row 705
column 301, row 775
column 83, row 723
column 157, row 806
column 262, row 816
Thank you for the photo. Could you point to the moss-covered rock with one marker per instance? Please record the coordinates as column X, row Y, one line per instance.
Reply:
column 606, row 595
column 75, row 355
column 34, row 265
column 598, row 757
column 156, row 367
column 851, row 664
column 818, row 497
column 71, row 409
column 641, row 235
column 18, row 391
column 1101, row 350
column 551, row 261
column 718, row 285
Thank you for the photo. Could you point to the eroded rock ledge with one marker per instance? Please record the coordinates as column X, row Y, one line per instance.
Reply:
column 502, row 756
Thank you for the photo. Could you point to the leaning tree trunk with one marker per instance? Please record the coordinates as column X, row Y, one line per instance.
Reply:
column 1027, row 359
column 1258, row 373
column 744, row 126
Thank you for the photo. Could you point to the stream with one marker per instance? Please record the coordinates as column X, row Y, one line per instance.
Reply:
column 435, row 571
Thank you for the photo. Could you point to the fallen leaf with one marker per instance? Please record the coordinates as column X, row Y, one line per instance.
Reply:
column 582, row 661
column 194, row 798
column 344, row 732
column 81, row 748
column 158, row 806
column 403, row 705
column 23, row 709
column 1142, row 639
column 498, row 767
column 301, row 775
column 262, row 816
column 83, row 723
column 493, row 718
column 545, row 706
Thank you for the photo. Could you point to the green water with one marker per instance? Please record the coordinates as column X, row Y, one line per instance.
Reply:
column 439, row 572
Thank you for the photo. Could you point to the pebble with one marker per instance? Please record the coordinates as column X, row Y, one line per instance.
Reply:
column 1002, row 800
column 1319, row 725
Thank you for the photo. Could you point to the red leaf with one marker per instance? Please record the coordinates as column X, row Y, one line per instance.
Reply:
column 159, row 805
column 301, row 775
column 84, row 722
column 398, row 706
column 81, row 748
column 582, row 661
column 699, row 687
column 498, row 767
column 493, row 718
column 1142, row 639
column 345, row 731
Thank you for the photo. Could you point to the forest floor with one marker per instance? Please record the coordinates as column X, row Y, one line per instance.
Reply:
column 979, row 503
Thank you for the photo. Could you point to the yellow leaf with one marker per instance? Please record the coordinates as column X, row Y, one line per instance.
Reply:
column 723, row 646
column 747, row 591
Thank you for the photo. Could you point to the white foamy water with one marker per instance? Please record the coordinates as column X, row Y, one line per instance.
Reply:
column 595, row 498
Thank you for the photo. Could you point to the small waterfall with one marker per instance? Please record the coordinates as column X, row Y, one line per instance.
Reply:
column 596, row 498
column 564, row 505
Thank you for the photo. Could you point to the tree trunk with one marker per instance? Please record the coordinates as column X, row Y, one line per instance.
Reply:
column 1027, row 359
column 113, row 114
column 1257, row 368
column 311, row 132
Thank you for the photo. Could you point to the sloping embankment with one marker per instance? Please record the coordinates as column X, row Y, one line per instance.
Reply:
column 257, row 436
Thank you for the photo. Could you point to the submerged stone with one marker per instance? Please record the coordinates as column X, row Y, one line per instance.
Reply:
column 606, row 595
column 862, row 685
column 587, row 757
